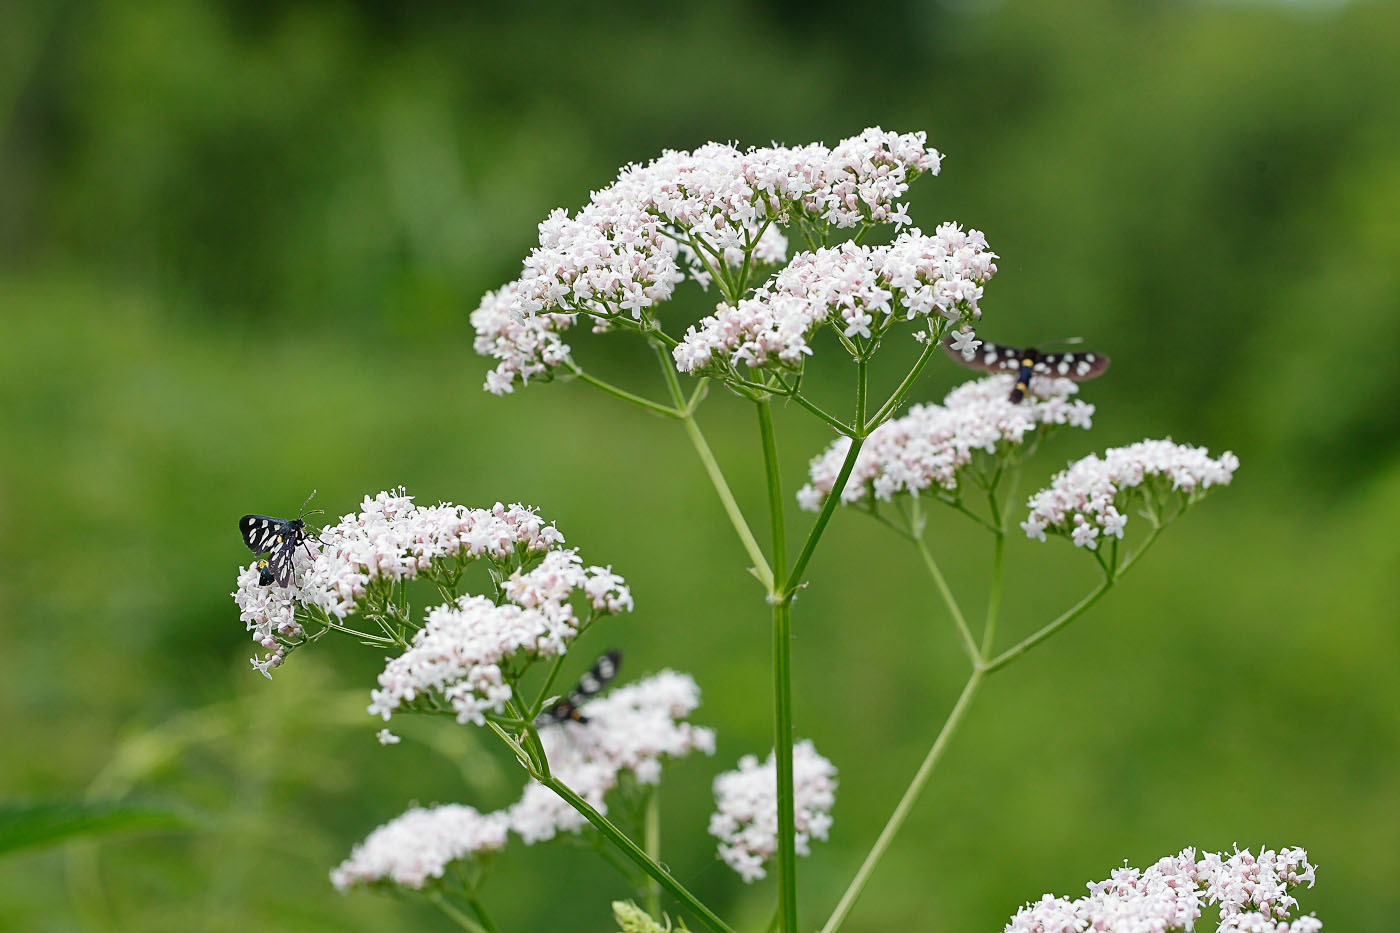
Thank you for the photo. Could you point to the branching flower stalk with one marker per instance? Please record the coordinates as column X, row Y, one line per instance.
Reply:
column 715, row 216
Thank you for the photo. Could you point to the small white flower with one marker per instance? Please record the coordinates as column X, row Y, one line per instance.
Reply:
column 965, row 342
column 386, row 737
column 746, row 814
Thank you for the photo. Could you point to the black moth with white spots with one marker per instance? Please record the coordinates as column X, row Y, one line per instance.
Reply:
column 1025, row 362
column 589, row 685
column 278, row 538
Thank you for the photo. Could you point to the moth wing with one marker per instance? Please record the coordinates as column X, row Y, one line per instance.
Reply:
column 259, row 531
column 1078, row 366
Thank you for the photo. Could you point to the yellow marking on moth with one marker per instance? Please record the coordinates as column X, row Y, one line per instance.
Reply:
column 1028, row 362
column 1021, row 386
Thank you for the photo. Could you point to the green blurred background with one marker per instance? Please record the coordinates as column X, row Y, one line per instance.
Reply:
column 238, row 245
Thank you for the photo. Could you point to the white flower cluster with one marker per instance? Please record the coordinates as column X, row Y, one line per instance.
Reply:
column 861, row 290
column 462, row 646
column 932, row 443
column 620, row 254
column 1087, row 500
column 1251, row 893
column 631, row 729
column 746, row 808
column 419, row 844
column 392, row 539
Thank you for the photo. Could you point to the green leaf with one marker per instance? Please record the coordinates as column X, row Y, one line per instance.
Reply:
column 29, row 825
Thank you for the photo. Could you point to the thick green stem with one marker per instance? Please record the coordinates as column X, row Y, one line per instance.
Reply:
column 782, row 755
column 639, row 858
column 906, row 803
column 782, row 677
column 707, row 458
column 652, row 840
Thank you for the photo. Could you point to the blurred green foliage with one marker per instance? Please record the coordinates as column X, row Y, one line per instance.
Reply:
column 238, row 244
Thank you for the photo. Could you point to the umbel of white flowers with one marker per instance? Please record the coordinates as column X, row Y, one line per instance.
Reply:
column 1251, row 893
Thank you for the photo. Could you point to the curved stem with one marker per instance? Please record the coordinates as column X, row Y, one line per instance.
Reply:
column 707, row 458
column 906, row 803
column 639, row 858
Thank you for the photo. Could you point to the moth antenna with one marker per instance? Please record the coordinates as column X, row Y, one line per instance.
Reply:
column 303, row 511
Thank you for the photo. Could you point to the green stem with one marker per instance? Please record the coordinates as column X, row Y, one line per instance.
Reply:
column 1065, row 618
column 480, row 911
column 989, row 631
column 906, row 803
column 782, row 678
column 639, row 858
column 794, row 578
column 782, row 755
column 652, row 840
column 626, row 396
column 832, row 420
column 707, row 458
column 775, row 489
column 902, row 389
column 862, row 390
column 974, row 655
column 538, row 705
column 461, row 919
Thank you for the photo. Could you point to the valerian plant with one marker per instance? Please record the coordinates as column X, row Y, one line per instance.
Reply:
column 511, row 599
